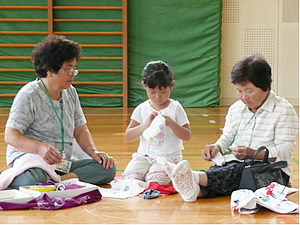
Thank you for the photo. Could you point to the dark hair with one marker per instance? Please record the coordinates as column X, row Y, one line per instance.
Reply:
column 52, row 52
column 158, row 73
column 253, row 68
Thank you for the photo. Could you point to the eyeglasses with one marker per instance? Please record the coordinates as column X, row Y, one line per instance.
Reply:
column 71, row 71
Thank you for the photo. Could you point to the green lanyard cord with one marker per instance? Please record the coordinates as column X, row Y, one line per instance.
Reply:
column 60, row 119
column 236, row 133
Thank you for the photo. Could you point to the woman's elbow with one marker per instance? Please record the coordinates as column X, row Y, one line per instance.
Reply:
column 8, row 135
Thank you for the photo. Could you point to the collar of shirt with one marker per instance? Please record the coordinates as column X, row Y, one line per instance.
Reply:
column 269, row 104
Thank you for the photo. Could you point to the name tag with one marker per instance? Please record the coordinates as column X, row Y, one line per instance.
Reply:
column 64, row 166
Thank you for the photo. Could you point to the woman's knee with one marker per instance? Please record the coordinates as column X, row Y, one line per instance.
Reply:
column 30, row 177
column 99, row 175
column 111, row 173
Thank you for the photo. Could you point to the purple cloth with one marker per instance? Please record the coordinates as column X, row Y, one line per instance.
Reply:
column 45, row 202
column 73, row 186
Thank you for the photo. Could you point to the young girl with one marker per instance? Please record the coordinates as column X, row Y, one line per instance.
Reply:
column 171, row 123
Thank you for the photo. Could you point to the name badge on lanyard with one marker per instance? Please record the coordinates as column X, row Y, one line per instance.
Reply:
column 65, row 165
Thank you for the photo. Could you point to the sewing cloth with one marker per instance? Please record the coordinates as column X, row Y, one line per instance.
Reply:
column 150, row 194
column 156, row 128
column 48, row 203
column 164, row 189
column 272, row 197
column 124, row 188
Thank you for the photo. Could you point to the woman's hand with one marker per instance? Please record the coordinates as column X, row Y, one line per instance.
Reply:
column 242, row 152
column 50, row 154
column 104, row 159
column 210, row 151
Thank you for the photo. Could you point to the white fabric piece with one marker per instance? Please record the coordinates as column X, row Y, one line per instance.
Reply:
column 272, row 197
column 156, row 127
column 243, row 201
column 124, row 188
column 219, row 159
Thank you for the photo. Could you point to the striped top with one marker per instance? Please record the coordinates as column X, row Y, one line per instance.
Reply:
column 274, row 125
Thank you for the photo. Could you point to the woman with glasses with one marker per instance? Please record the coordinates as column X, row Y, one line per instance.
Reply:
column 259, row 118
column 44, row 119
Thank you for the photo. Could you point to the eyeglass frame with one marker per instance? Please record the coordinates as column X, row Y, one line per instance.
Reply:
column 71, row 71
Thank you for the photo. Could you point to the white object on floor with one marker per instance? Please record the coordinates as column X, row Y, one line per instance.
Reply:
column 14, row 196
column 243, row 201
column 272, row 197
column 124, row 188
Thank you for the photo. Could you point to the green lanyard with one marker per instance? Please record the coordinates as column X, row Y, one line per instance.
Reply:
column 236, row 133
column 59, row 118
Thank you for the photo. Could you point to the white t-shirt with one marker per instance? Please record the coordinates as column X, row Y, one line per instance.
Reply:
column 167, row 143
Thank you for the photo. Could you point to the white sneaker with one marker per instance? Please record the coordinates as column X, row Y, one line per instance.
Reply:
column 184, row 182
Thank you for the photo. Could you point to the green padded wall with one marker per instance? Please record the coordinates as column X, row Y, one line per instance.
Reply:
column 81, row 38
column 184, row 33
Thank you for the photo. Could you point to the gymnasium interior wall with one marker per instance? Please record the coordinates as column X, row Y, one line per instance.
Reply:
column 268, row 27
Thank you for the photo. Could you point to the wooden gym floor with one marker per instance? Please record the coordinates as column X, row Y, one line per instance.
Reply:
column 107, row 126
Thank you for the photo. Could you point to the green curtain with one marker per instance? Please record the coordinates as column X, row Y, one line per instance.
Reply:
column 186, row 35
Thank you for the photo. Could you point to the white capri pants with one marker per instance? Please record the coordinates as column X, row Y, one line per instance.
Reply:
column 145, row 168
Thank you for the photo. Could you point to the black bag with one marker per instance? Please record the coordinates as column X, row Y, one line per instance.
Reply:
column 260, row 173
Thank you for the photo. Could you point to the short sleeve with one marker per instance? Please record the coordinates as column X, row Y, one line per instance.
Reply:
column 182, row 116
column 21, row 113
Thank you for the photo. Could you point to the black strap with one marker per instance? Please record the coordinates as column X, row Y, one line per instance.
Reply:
column 266, row 158
column 276, row 165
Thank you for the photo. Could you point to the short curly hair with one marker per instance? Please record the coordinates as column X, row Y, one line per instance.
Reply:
column 52, row 52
